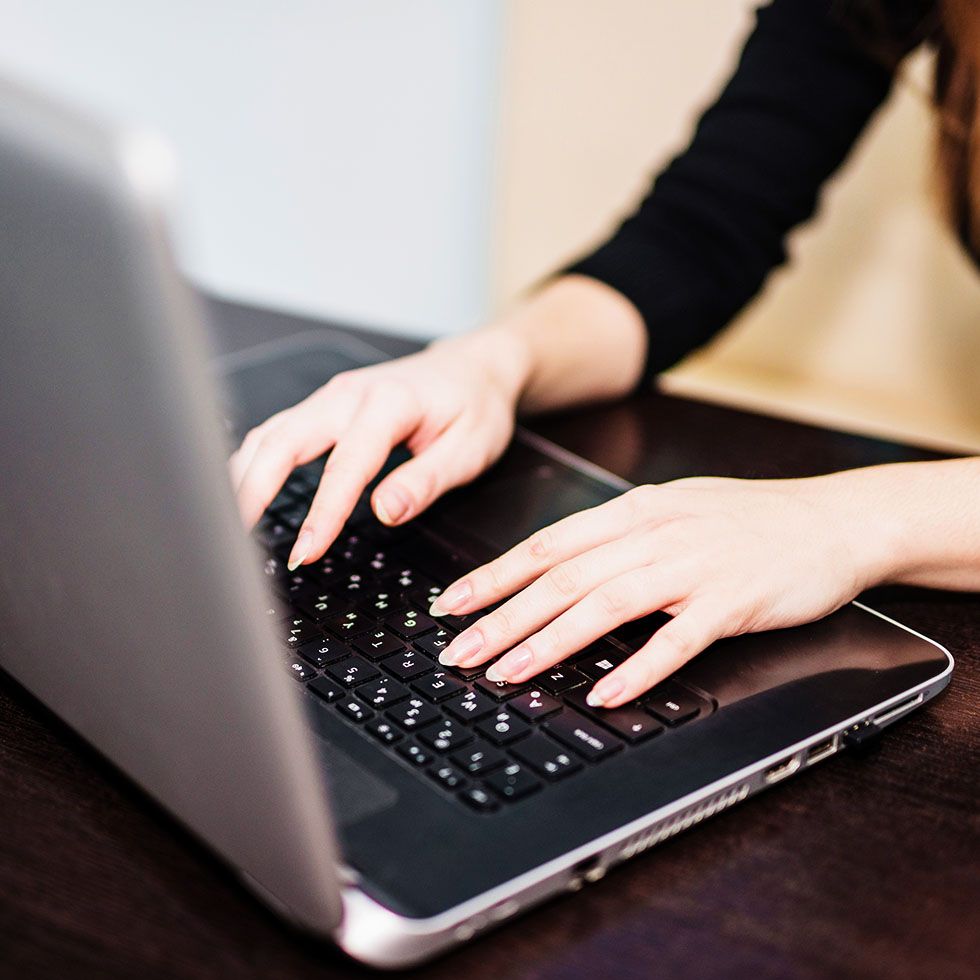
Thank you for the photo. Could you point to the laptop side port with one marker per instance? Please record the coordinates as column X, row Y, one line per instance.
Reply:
column 899, row 709
column 822, row 749
column 782, row 769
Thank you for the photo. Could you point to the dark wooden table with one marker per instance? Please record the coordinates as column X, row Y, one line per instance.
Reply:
column 866, row 867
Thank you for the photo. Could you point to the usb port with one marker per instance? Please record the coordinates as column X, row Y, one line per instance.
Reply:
column 782, row 769
column 821, row 750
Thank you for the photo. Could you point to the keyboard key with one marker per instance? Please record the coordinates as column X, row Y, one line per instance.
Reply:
column 350, row 586
column 323, row 651
column 384, row 731
column 299, row 584
column 478, row 758
column 330, row 568
column 630, row 721
column 673, row 704
column 438, row 686
column 584, row 736
column 273, row 533
column 414, row 714
column 499, row 690
column 318, row 605
column 403, row 578
column 459, row 623
column 421, row 594
column 417, row 754
column 354, row 710
column 298, row 630
column 513, row 782
column 471, row 706
column 468, row 673
column 377, row 644
column 449, row 777
column 534, row 705
column 446, row 736
column 348, row 624
column 636, row 633
column 433, row 643
column 352, row 671
column 407, row 665
column 546, row 757
column 382, row 693
column 478, row 798
column 299, row 669
column 324, row 687
column 410, row 623
column 599, row 660
column 276, row 610
column 558, row 680
column 503, row 727
column 378, row 603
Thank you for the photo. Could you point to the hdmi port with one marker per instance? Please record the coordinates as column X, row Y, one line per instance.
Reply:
column 782, row 769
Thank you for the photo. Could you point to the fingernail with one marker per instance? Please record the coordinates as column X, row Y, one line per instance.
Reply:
column 510, row 665
column 603, row 692
column 390, row 506
column 451, row 599
column 465, row 645
column 304, row 542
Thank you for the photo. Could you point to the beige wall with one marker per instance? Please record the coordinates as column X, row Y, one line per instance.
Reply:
column 875, row 326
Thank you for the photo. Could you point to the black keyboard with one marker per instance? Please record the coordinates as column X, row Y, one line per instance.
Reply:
column 358, row 635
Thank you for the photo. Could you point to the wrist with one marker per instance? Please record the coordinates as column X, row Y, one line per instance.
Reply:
column 856, row 505
column 500, row 351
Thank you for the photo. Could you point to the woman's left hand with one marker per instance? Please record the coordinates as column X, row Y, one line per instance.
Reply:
column 720, row 556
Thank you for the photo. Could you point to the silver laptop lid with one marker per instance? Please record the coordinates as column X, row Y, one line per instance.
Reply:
column 124, row 570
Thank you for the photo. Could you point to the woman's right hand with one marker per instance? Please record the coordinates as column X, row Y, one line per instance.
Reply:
column 453, row 405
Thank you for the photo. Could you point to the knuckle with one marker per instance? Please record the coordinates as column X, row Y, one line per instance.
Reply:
column 640, row 500
column 614, row 599
column 541, row 545
column 675, row 642
column 492, row 579
column 501, row 621
column 343, row 383
column 564, row 579
column 548, row 640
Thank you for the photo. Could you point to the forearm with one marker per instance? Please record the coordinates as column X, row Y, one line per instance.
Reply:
column 916, row 523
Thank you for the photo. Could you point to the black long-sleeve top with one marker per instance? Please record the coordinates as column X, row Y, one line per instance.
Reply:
column 714, row 225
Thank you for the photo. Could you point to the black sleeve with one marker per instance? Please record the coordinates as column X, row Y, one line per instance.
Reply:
column 703, row 241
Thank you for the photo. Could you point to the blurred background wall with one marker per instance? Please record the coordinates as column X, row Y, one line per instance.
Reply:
column 417, row 165
column 335, row 156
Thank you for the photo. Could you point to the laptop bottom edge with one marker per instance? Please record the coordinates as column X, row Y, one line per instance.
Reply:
column 376, row 935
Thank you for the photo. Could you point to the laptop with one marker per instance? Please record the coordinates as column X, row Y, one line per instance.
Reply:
column 300, row 724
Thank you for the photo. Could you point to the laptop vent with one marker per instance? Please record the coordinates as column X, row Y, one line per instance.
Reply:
column 681, row 821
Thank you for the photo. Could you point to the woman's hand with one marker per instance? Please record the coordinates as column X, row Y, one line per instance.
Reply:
column 721, row 556
column 452, row 404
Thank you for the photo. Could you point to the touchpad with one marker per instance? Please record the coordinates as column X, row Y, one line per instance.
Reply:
column 355, row 793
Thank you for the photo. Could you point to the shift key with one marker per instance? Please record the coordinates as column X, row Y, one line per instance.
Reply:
column 586, row 738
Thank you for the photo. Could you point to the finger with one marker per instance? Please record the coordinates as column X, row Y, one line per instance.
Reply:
column 546, row 598
column 409, row 489
column 673, row 645
column 242, row 458
column 526, row 561
column 386, row 418
column 297, row 438
column 616, row 601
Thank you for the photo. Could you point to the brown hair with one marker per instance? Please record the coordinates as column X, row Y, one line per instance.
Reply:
column 888, row 29
column 957, row 73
